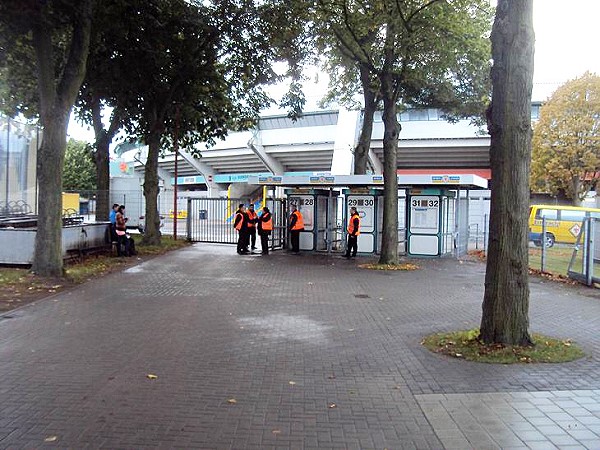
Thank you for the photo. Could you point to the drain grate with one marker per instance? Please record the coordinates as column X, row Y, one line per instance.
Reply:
column 361, row 296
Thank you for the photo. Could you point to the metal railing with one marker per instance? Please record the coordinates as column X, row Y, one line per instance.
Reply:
column 586, row 253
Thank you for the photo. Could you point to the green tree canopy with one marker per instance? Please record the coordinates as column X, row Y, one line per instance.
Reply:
column 432, row 53
column 566, row 140
column 79, row 172
column 45, row 44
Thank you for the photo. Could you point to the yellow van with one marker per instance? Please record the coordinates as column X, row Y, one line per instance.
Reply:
column 563, row 223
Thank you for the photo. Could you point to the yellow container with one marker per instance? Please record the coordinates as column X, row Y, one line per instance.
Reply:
column 70, row 204
column 181, row 214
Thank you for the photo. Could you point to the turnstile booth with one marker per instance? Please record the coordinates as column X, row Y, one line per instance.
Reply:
column 431, row 220
column 436, row 213
column 319, row 208
column 369, row 205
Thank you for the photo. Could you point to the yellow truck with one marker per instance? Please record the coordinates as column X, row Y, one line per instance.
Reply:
column 563, row 223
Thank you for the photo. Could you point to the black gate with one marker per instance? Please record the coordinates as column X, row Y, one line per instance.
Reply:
column 211, row 220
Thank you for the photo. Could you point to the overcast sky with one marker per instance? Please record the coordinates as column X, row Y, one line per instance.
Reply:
column 567, row 44
column 567, row 39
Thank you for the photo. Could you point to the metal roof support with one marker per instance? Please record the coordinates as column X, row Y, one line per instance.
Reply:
column 165, row 175
column 206, row 171
column 375, row 162
column 346, row 138
column 274, row 166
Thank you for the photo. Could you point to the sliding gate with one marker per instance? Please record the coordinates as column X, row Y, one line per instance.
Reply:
column 211, row 220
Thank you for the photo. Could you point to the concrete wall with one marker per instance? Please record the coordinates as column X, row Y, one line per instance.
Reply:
column 17, row 245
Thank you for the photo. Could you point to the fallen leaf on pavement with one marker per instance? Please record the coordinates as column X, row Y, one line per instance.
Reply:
column 232, row 401
column 51, row 439
column 151, row 376
column 332, row 405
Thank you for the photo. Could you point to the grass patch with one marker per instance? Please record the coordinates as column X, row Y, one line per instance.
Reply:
column 167, row 244
column 465, row 344
column 102, row 264
column 557, row 259
column 400, row 266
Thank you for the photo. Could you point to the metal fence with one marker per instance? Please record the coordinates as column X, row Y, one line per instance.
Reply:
column 211, row 220
column 586, row 253
column 18, row 158
column 576, row 260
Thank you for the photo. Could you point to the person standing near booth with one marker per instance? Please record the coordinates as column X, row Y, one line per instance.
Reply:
column 241, row 225
column 296, row 226
column 353, row 232
column 252, row 221
column 121, row 231
column 265, row 226
column 112, row 217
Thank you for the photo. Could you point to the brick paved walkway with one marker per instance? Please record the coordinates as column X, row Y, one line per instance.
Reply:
column 287, row 337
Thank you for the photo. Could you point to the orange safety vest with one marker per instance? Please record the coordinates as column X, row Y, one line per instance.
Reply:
column 351, row 224
column 251, row 216
column 268, row 224
column 299, row 225
column 239, row 224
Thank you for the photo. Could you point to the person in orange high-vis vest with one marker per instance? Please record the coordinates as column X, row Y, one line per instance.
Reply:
column 296, row 226
column 252, row 220
column 240, row 223
column 265, row 226
column 353, row 232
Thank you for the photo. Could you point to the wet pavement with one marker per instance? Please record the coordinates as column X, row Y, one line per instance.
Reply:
column 290, row 352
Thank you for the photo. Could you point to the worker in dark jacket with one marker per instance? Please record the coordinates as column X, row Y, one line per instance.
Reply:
column 240, row 223
column 265, row 226
column 296, row 226
column 353, row 232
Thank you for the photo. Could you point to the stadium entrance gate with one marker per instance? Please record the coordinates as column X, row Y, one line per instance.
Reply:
column 211, row 220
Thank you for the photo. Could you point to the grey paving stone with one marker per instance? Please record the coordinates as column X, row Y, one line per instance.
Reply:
column 540, row 445
column 592, row 444
column 562, row 440
column 213, row 327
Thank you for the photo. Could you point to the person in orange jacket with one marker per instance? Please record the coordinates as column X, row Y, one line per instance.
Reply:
column 296, row 226
column 240, row 223
column 353, row 232
column 252, row 221
column 265, row 226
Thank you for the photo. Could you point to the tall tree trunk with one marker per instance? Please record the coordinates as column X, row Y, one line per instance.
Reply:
column 102, row 158
column 505, row 316
column 56, row 100
column 361, row 153
column 577, row 190
column 102, row 178
column 48, row 260
column 152, row 218
column 389, row 241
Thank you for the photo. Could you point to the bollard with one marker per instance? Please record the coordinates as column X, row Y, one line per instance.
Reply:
column 543, row 258
column 485, row 233
column 589, row 272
